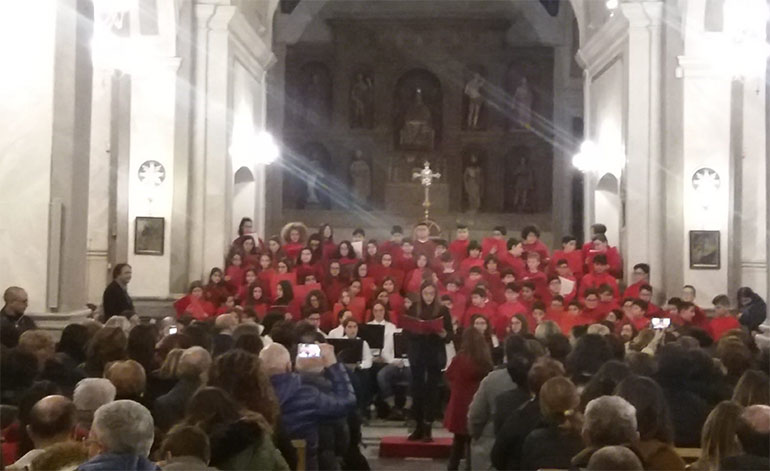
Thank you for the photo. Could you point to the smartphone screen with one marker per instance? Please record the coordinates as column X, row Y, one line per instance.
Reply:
column 660, row 322
column 172, row 330
column 308, row 350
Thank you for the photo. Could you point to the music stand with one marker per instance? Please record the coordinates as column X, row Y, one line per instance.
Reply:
column 373, row 334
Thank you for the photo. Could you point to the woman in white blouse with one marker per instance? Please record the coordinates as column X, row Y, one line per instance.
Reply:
column 394, row 371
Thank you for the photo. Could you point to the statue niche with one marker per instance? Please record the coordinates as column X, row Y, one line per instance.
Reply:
column 309, row 181
column 473, row 178
column 418, row 111
column 315, row 97
column 474, row 106
column 521, row 97
column 520, row 191
column 362, row 100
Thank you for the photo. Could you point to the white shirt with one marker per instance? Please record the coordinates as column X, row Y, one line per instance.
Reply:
column 388, row 347
column 321, row 332
column 336, row 333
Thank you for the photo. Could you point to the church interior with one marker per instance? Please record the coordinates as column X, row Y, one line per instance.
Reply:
column 169, row 138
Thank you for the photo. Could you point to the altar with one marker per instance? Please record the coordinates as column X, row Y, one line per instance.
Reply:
column 405, row 199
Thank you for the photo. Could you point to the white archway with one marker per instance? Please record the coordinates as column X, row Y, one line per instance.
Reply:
column 607, row 206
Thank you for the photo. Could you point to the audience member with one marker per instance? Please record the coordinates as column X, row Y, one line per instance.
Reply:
column 192, row 372
column 718, row 437
column 186, row 448
column 753, row 432
column 13, row 322
column 753, row 388
column 107, row 345
column 116, row 299
column 89, row 395
column 129, row 379
column 608, row 420
column 51, row 421
column 121, row 436
column 614, row 458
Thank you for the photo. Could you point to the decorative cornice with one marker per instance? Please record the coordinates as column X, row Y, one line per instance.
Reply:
column 257, row 55
column 604, row 45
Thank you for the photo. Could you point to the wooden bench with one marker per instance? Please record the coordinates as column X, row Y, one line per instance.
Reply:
column 689, row 455
column 301, row 447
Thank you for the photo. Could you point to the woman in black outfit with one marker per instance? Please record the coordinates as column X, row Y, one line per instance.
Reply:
column 115, row 299
column 427, row 357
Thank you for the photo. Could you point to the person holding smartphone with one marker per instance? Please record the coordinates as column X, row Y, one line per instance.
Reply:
column 427, row 357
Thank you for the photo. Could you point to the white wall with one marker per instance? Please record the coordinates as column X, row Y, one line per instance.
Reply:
column 27, row 31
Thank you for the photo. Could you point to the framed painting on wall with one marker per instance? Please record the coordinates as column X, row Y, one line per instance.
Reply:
column 149, row 235
column 704, row 250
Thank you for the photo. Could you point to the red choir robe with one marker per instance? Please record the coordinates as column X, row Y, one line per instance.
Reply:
column 304, row 269
column 516, row 264
column 555, row 315
column 250, row 260
column 568, row 321
column 357, row 306
column 613, row 260
column 392, row 248
column 632, row 291
column 495, row 285
column 574, row 261
column 445, row 276
column 397, row 308
column 639, row 323
column 459, row 249
column 540, row 248
column 328, row 249
column 234, row 276
column 540, row 280
column 265, row 278
column 489, row 311
column 292, row 249
column 594, row 281
column 489, row 243
column 595, row 315
column 217, row 294
column 468, row 263
column 368, row 286
column 505, row 311
column 332, row 288
column 198, row 308
column 405, row 264
column 293, row 308
column 606, row 308
column 301, row 291
column 717, row 326
column 427, row 248
column 259, row 308
column 291, row 277
column 654, row 311
column 391, row 272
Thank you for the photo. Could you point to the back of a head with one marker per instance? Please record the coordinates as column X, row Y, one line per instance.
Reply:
column 275, row 359
column 124, row 427
column 614, row 458
column 546, row 329
column 718, row 436
column 242, row 375
column 542, row 370
column 605, row 380
column 128, row 377
column 753, row 430
column 753, row 388
column 37, row 342
column 590, row 353
column 194, row 364
column 609, row 420
column 559, row 400
column 92, row 393
column 108, row 344
column 186, row 440
column 226, row 323
column 52, row 416
column 641, row 364
column 652, row 413
column 247, row 328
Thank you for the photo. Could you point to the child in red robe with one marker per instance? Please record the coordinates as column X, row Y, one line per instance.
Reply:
column 422, row 243
column 512, row 259
column 249, row 278
column 406, row 262
column 473, row 258
column 448, row 269
column 607, row 302
column 598, row 277
column 307, row 266
column 393, row 246
column 645, row 294
column 346, row 255
column 591, row 308
column 395, row 300
column 361, row 273
column 194, row 304
column 234, row 271
column 637, row 316
column 507, row 309
column 534, row 275
column 538, row 314
column 249, row 252
column 532, row 243
column 574, row 317
column 294, row 236
column 569, row 253
column 217, row 289
column 723, row 319
column 333, row 283
column 492, row 277
column 641, row 276
column 285, row 300
column 556, row 309
column 328, row 247
column 596, row 229
column 257, row 301
column 387, row 270
column 567, row 278
column 459, row 247
column 601, row 246
column 416, row 277
column 480, row 304
column 494, row 245
column 527, row 295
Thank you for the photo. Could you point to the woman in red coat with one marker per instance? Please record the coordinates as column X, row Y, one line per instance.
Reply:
column 468, row 368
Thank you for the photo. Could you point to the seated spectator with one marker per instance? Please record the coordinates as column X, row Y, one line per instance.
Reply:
column 108, row 344
column 483, row 407
column 160, row 381
column 590, row 353
column 656, row 431
column 15, row 367
column 614, row 458
column 64, row 367
column 51, row 421
column 16, row 440
column 192, row 372
column 518, row 368
column 754, row 435
column 609, row 420
column 120, row 438
column 128, row 378
column 90, row 394
column 141, row 345
column 718, row 437
column 186, row 448
column 13, row 322
column 62, row 456
column 240, row 439
column 302, row 406
column 605, row 380
column 753, row 388
column 506, row 452
column 38, row 343
column 557, row 439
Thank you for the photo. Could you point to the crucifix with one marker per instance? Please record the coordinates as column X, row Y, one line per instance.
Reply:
column 426, row 176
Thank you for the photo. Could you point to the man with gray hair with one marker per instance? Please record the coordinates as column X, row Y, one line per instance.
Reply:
column 614, row 458
column 90, row 394
column 120, row 438
column 192, row 371
column 608, row 421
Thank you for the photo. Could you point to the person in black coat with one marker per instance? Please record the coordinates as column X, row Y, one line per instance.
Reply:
column 192, row 371
column 115, row 299
column 753, row 308
column 13, row 322
column 427, row 357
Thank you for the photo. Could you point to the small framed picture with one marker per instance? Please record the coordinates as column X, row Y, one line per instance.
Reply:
column 149, row 235
column 704, row 250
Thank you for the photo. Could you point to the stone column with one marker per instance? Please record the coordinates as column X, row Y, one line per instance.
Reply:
column 644, row 172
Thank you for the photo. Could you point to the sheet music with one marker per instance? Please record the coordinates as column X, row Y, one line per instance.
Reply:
column 358, row 247
column 567, row 286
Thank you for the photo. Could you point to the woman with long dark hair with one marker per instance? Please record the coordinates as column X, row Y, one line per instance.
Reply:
column 427, row 357
column 284, row 300
column 217, row 290
column 468, row 368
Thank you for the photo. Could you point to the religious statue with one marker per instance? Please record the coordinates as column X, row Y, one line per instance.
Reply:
column 311, row 190
column 361, row 178
column 522, row 105
column 418, row 131
column 473, row 182
column 523, row 185
column 475, row 101
column 362, row 101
